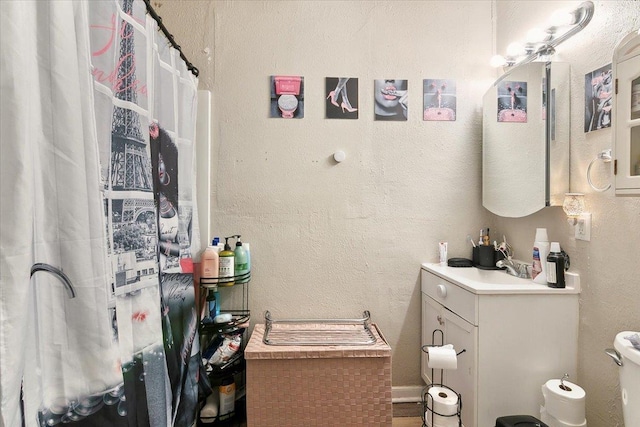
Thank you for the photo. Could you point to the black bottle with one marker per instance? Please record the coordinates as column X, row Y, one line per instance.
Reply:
column 555, row 267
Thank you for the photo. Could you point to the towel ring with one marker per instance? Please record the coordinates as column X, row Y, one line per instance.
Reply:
column 605, row 156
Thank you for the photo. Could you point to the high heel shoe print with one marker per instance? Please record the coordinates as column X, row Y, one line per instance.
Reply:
column 332, row 95
column 348, row 108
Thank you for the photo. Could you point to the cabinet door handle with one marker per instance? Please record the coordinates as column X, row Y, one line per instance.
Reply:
column 440, row 321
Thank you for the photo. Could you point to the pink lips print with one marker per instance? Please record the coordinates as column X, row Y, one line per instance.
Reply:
column 389, row 92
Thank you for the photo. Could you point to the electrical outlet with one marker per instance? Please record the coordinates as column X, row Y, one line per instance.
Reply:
column 583, row 227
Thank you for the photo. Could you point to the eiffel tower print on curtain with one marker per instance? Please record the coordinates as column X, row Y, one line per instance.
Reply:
column 133, row 214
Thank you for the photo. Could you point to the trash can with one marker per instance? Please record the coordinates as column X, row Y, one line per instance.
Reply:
column 519, row 421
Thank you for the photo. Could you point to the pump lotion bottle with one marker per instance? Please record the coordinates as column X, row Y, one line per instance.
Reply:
column 540, row 253
column 241, row 264
column 227, row 262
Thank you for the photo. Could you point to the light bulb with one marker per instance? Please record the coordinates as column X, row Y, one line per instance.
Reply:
column 497, row 61
column 563, row 17
column 536, row 35
column 515, row 49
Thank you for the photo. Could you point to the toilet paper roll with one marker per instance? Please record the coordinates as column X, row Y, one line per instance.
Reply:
column 565, row 403
column 442, row 357
column 442, row 408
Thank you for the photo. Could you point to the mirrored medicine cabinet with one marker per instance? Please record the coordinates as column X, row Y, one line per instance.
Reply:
column 626, row 116
column 525, row 139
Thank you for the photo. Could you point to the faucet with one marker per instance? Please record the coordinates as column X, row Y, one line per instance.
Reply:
column 513, row 268
column 509, row 265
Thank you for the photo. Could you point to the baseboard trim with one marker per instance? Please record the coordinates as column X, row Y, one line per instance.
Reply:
column 403, row 394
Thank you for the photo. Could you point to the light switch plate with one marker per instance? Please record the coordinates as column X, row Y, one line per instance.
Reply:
column 583, row 227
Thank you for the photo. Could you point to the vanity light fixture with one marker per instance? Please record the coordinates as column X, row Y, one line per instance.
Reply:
column 573, row 206
column 540, row 44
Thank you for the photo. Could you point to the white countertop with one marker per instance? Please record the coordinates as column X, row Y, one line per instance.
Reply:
column 499, row 282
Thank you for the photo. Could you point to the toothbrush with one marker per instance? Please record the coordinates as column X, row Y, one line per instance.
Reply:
column 471, row 240
column 484, row 237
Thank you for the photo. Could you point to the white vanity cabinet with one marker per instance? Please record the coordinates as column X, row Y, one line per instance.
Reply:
column 515, row 337
column 626, row 120
column 463, row 335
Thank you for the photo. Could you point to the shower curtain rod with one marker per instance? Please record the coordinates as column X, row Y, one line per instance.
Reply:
column 169, row 36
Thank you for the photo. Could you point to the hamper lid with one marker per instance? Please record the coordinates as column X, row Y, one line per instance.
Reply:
column 257, row 349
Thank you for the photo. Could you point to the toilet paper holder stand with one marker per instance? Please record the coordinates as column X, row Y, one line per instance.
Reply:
column 427, row 399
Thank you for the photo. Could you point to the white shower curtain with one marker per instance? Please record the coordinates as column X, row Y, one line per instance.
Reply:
column 84, row 337
column 51, row 213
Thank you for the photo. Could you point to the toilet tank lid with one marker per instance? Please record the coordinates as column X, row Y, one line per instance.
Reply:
column 625, row 347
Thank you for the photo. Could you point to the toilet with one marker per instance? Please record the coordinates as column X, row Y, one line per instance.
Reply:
column 628, row 359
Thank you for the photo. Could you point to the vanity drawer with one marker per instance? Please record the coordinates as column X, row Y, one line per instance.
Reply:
column 453, row 297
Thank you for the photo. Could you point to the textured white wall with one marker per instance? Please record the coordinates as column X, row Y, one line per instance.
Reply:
column 608, row 264
column 330, row 240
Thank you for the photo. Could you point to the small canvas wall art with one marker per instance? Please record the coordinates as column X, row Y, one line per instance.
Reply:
column 512, row 102
column 342, row 97
column 287, row 97
column 390, row 99
column 439, row 100
column 598, row 92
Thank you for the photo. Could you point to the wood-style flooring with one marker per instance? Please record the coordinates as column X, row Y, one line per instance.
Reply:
column 407, row 415
column 406, row 422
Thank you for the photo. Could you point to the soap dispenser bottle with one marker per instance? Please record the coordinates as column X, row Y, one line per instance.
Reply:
column 241, row 264
column 540, row 253
column 226, row 264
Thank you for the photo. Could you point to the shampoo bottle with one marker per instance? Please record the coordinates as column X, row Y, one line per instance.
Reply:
column 218, row 244
column 555, row 266
column 540, row 253
column 226, row 264
column 227, row 390
column 210, row 263
column 212, row 304
column 241, row 264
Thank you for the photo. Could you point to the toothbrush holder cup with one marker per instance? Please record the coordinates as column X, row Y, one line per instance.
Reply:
column 486, row 256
